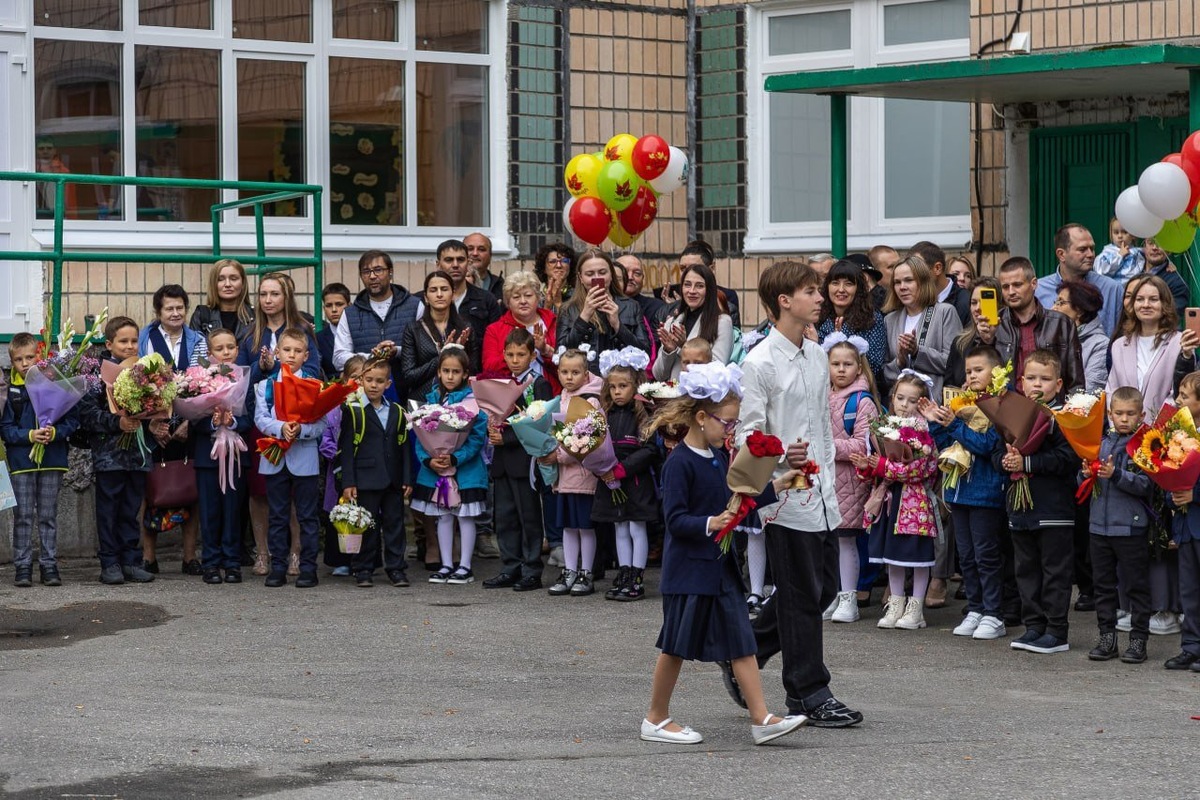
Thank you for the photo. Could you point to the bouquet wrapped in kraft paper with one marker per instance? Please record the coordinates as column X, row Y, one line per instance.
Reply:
column 583, row 434
column 1022, row 423
column 749, row 473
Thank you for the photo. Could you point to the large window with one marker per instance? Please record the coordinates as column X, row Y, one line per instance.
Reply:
column 389, row 104
column 909, row 163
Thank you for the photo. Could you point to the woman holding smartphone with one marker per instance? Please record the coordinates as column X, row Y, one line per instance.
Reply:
column 596, row 315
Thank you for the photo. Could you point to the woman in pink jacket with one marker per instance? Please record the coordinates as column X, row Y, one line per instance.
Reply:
column 852, row 406
column 1148, row 345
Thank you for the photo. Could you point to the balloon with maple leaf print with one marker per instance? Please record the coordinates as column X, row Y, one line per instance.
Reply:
column 618, row 237
column 581, row 174
column 590, row 220
column 650, row 156
column 620, row 148
column 640, row 213
column 675, row 175
column 618, row 185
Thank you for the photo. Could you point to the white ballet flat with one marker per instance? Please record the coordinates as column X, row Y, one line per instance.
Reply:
column 768, row 732
column 659, row 733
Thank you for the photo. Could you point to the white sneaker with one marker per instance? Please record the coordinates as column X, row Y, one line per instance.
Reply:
column 893, row 611
column 969, row 624
column 827, row 614
column 768, row 732
column 1124, row 621
column 1164, row 623
column 990, row 628
column 556, row 558
column 847, row 607
column 914, row 615
column 659, row 733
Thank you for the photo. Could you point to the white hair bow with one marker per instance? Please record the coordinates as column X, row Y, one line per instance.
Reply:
column 921, row 376
column 837, row 337
column 632, row 357
column 449, row 345
column 712, row 381
column 585, row 349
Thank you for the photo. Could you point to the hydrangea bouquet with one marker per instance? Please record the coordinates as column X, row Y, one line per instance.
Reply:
column 142, row 389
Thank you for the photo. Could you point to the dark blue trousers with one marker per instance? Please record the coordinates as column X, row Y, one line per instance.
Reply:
column 283, row 491
column 977, row 534
column 119, row 495
column 220, row 521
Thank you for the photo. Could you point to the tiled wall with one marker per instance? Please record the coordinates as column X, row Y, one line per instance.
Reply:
column 720, row 64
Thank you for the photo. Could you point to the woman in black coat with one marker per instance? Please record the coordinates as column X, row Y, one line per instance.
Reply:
column 425, row 337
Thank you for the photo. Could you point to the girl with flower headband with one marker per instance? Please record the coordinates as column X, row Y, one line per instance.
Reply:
column 704, row 618
column 903, row 509
column 465, row 464
column 623, row 371
column 852, row 408
column 576, row 486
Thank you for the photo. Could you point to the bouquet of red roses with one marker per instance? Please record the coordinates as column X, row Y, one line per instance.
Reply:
column 749, row 473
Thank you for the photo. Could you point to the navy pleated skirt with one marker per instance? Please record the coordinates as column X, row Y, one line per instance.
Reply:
column 708, row 627
column 574, row 511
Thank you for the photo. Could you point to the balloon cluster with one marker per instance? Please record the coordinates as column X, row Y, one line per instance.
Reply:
column 1166, row 200
column 614, row 193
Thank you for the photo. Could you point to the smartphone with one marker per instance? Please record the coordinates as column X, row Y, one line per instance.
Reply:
column 988, row 308
column 597, row 283
column 1191, row 318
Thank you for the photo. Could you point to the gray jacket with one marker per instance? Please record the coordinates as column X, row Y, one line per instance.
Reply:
column 1094, row 345
column 933, row 351
column 1121, row 507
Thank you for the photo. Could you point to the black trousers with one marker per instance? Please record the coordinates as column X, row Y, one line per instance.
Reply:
column 804, row 565
column 1124, row 560
column 1009, row 593
column 518, row 522
column 118, row 497
column 386, row 507
column 1044, row 561
column 1082, row 538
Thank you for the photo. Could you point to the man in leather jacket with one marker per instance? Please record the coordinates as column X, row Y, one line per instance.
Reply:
column 1026, row 326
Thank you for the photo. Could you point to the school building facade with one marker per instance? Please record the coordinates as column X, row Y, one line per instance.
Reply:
column 428, row 119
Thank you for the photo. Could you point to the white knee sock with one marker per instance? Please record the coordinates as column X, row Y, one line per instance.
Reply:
column 848, row 562
column 445, row 534
column 466, row 528
column 570, row 548
column 624, row 544
column 587, row 548
column 641, row 544
column 756, row 562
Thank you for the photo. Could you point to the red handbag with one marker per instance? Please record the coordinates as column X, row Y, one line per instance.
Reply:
column 172, row 484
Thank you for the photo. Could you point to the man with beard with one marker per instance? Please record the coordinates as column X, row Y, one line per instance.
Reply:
column 376, row 320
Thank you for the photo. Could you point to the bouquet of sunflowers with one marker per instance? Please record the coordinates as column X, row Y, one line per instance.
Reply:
column 1168, row 450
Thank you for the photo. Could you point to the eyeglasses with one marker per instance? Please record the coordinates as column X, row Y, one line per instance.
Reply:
column 373, row 272
column 729, row 424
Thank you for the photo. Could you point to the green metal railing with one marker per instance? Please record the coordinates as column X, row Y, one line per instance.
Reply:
column 257, row 264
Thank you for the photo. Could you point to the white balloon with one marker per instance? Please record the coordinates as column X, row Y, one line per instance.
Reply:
column 1164, row 190
column 675, row 175
column 1134, row 216
column 567, row 217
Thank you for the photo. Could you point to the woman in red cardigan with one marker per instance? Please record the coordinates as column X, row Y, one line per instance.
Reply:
column 523, row 294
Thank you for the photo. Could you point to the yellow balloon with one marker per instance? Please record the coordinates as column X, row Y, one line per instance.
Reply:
column 581, row 174
column 620, row 148
column 618, row 235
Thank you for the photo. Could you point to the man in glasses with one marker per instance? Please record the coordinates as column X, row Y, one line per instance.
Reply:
column 376, row 320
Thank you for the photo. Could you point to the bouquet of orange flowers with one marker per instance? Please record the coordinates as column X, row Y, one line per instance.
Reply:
column 1081, row 420
column 302, row 400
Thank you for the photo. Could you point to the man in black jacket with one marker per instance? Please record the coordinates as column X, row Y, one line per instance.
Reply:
column 478, row 307
column 1025, row 326
column 479, row 259
column 948, row 290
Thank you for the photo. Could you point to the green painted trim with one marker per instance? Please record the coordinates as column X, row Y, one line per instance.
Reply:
column 838, row 211
column 1194, row 99
column 968, row 70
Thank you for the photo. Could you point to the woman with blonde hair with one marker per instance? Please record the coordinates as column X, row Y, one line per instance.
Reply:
column 228, row 302
column 523, row 296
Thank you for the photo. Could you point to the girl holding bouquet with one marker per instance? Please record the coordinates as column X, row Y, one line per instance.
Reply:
column 465, row 465
column 704, row 616
column 905, row 529
column 576, row 486
column 623, row 370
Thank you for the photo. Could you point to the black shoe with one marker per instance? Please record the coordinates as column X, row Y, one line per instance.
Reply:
column 634, row 588
column 398, row 577
column 191, row 568
column 212, row 576
column 306, row 580
column 150, row 566
column 1085, row 602
column 23, row 578
column 233, row 576
column 275, row 579
column 362, row 580
column 1106, row 648
column 527, row 584
column 1184, row 660
column 832, row 714
column 50, row 576
column 1135, row 653
column 731, row 684
column 502, row 581
column 1027, row 638
column 619, row 583
column 959, row 594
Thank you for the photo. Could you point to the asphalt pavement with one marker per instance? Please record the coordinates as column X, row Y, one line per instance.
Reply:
column 178, row 689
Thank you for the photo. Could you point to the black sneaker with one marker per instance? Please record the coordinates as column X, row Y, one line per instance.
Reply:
column 212, row 576
column 363, row 580
column 1047, row 644
column 398, row 577
column 150, row 566
column 112, row 575
column 1085, row 602
column 832, row 714
column 275, row 579
column 191, row 568
column 1184, row 660
column 1023, row 641
column 23, row 578
column 1106, row 648
column 137, row 574
column 502, row 581
column 1135, row 653
column 731, row 684
column 50, row 576
column 233, row 576
column 527, row 584
column 306, row 580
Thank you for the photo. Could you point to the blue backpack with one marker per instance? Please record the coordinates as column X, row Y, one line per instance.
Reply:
column 850, row 414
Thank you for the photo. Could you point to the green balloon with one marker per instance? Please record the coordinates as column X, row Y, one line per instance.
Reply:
column 1177, row 235
column 618, row 185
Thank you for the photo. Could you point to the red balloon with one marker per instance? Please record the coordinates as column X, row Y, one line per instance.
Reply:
column 650, row 156
column 591, row 219
column 638, row 215
column 1190, row 152
column 1192, row 169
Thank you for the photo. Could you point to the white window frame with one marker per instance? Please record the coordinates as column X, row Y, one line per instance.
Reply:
column 293, row 234
column 867, row 224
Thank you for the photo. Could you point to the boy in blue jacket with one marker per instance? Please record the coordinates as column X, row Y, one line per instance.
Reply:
column 1118, row 532
column 976, row 502
column 35, row 484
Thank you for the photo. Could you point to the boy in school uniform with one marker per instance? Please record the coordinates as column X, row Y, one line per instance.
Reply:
column 376, row 473
column 1119, row 522
column 295, row 480
column 35, row 483
column 1043, row 535
column 518, row 510
column 120, row 470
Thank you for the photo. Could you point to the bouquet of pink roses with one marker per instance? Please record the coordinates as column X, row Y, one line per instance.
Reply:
column 441, row 430
column 208, row 390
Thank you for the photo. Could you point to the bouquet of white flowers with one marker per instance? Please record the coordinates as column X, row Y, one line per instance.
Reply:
column 350, row 520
